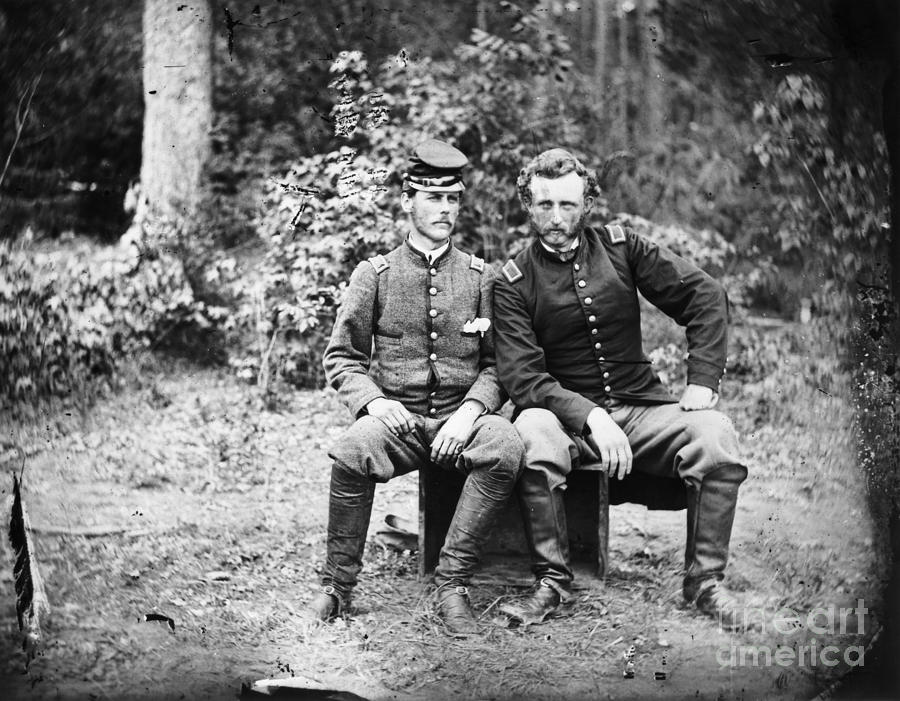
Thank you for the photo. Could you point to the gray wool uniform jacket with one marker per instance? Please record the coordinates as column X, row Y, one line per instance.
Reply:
column 401, row 332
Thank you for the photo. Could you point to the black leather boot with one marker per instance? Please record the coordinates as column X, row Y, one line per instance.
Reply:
column 543, row 601
column 544, row 516
column 710, row 515
column 456, row 613
column 325, row 606
column 484, row 494
column 349, row 510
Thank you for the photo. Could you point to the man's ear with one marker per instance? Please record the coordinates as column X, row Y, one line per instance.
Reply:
column 406, row 202
column 588, row 203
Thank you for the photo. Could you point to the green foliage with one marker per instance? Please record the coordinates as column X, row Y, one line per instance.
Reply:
column 690, row 174
column 67, row 317
column 271, row 78
column 825, row 199
column 812, row 173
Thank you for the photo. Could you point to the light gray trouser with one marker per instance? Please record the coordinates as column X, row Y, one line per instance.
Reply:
column 698, row 447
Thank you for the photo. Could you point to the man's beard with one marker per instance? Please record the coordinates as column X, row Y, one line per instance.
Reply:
column 574, row 234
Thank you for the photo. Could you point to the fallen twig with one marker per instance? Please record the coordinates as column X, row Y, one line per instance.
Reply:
column 96, row 531
column 491, row 605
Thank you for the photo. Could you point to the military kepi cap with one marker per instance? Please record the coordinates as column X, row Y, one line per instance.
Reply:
column 436, row 166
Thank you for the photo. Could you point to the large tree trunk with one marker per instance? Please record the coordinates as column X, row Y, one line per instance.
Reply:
column 601, row 29
column 622, row 126
column 178, row 104
column 651, row 98
column 481, row 10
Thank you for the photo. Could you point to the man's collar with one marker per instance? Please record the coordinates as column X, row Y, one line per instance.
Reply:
column 560, row 256
column 432, row 255
column 571, row 247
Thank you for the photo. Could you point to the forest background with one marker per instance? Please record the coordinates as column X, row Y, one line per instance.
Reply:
column 196, row 180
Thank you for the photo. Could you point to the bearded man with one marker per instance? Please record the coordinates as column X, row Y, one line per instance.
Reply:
column 569, row 353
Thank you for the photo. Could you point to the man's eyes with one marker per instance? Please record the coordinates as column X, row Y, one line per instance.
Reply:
column 563, row 205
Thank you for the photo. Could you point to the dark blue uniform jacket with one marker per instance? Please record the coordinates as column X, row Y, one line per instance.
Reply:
column 568, row 334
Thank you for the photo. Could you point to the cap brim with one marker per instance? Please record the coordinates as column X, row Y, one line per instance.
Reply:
column 455, row 187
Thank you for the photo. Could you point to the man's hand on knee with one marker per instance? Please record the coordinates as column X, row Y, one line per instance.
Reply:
column 609, row 442
column 696, row 397
column 455, row 433
column 392, row 414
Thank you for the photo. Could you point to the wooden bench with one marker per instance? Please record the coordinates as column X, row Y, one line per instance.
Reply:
column 587, row 514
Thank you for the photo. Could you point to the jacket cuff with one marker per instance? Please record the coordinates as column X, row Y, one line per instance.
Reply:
column 358, row 396
column 574, row 416
column 700, row 372
column 487, row 391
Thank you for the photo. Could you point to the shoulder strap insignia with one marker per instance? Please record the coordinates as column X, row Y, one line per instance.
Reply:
column 511, row 272
column 477, row 264
column 616, row 233
column 380, row 263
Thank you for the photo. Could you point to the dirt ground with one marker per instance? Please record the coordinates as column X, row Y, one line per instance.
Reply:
column 177, row 496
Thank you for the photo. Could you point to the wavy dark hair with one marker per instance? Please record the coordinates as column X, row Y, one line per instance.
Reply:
column 555, row 163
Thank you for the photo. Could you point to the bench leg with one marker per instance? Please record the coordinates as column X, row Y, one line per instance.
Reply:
column 439, row 491
column 423, row 524
column 602, row 524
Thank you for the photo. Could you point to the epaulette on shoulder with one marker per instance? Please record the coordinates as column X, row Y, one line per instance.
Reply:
column 380, row 263
column 477, row 264
column 511, row 272
column 616, row 233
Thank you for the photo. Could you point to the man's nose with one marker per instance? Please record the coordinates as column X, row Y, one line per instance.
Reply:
column 556, row 215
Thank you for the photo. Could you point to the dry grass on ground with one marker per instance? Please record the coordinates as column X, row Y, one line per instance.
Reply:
column 215, row 516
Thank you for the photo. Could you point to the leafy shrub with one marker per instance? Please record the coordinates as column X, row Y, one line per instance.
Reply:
column 826, row 197
column 68, row 316
column 705, row 248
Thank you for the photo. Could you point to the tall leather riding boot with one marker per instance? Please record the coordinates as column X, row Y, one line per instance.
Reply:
column 349, row 511
column 710, row 516
column 544, row 515
column 483, row 495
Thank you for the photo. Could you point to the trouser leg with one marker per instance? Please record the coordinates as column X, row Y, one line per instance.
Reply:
column 492, row 458
column 367, row 453
column 549, row 456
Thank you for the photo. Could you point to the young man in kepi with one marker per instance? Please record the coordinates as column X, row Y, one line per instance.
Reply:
column 412, row 357
column 569, row 352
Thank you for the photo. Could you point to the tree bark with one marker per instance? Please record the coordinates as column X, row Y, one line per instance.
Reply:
column 624, row 91
column 177, row 104
column 601, row 28
column 585, row 20
column 651, row 107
